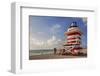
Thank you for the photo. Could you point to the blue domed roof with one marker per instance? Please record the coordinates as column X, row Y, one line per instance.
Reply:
column 73, row 24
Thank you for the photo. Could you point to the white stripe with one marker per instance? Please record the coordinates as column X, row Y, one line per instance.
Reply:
column 73, row 36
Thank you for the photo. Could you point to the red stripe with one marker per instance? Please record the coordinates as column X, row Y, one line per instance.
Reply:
column 77, row 48
column 72, row 42
column 74, row 33
column 71, row 38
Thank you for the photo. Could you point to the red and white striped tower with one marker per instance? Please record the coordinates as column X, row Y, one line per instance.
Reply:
column 73, row 43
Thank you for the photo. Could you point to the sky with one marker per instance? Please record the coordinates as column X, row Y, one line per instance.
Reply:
column 47, row 32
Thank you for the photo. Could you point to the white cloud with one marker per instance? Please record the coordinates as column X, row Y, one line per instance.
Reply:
column 47, row 44
column 55, row 28
column 40, row 33
column 51, row 40
column 84, row 20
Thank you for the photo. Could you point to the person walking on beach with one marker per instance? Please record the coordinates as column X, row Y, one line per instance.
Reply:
column 55, row 50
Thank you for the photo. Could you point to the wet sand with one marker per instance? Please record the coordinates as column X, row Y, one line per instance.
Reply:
column 35, row 57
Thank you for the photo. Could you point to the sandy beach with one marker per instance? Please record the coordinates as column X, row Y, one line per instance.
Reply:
column 51, row 56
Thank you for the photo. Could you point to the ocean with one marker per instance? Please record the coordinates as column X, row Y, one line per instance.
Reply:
column 41, row 52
